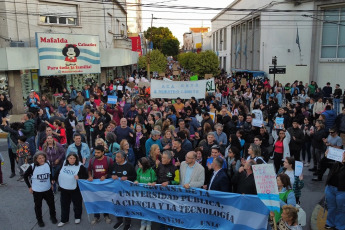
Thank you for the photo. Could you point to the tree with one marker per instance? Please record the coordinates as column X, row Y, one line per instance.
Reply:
column 187, row 60
column 157, row 35
column 158, row 62
column 207, row 63
column 170, row 46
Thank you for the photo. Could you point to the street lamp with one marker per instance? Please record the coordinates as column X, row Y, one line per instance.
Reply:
column 274, row 63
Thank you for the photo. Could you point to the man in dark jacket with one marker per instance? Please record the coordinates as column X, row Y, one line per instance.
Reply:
column 243, row 181
column 166, row 170
column 296, row 141
column 123, row 170
column 29, row 131
column 219, row 180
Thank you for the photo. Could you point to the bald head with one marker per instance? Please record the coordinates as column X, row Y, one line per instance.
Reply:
column 190, row 158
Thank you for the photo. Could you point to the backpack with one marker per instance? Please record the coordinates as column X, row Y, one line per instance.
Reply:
column 93, row 161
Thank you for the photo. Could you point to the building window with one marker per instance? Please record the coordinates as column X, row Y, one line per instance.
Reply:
column 60, row 14
column 333, row 34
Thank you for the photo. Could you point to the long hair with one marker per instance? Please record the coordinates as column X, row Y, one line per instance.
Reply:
column 45, row 145
column 285, row 179
column 145, row 163
column 37, row 154
column 76, row 158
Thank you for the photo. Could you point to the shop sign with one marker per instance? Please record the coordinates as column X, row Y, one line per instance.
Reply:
column 63, row 54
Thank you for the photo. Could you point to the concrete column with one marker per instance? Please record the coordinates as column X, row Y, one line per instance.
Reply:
column 15, row 91
column 103, row 78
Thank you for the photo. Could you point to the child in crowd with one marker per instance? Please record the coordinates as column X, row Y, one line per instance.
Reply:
column 1, row 163
column 23, row 155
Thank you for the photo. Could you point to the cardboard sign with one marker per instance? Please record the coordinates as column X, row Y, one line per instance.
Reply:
column 265, row 179
column 335, row 154
column 298, row 168
column 143, row 84
column 208, row 76
column 162, row 74
column 231, row 85
column 176, row 72
column 243, row 81
column 131, row 85
column 112, row 100
column 175, row 67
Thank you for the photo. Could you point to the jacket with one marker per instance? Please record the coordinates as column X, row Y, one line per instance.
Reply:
column 220, row 182
column 166, row 173
column 338, row 121
column 337, row 169
column 29, row 128
column 316, row 139
column 7, row 105
column 197, row 177
column 297, row 185
column 57, row 153
column 85, row 151
column 286, row 142
column 330, row 118
column 298, row 134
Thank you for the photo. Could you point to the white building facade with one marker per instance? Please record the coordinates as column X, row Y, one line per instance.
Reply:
column 307, row 37
column 19, row 56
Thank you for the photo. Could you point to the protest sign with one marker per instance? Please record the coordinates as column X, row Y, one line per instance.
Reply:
column 243, row 81
column 210, row 86
column 131, row 85
column 213, row 116
column 192, row 208
column 208, row 76
column 175, row 72
column 143, row 84
column 279, row 123
column 257, row 122
column 266, row 185
column 162, row 74
column 166, row 79
column 174, row 89
column 194, row 78
column 298, row 168
column 335, row 154
column 120, row 87
column 112, row 100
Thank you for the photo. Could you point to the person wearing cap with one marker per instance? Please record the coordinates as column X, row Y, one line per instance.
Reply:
column 179, row 106
column 333, row 140
column 155, row 139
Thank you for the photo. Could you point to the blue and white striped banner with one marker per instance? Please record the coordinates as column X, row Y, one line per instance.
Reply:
column 174, row 205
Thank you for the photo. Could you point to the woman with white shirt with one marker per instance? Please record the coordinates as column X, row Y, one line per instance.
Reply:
column 68, row 176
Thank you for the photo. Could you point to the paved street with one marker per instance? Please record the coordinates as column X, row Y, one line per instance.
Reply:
column 17, row 212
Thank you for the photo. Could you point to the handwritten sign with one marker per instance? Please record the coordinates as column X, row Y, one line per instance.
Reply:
column 176, row 72
column 162, row 74
column 335, row 154
column 208, row 76
column 112, row 100
column 120, row 87
column 210, row 86
column 243, row 81
column 298, row 168
column 131, row 85
column 279, row 123
column 265, row 179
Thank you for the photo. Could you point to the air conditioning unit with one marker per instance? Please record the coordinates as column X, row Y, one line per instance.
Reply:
column 17, row 44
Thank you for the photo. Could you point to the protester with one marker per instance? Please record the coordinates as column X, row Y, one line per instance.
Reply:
column 243, row 181
column 219, row 180
column 192, row 174
column 41, row 186
column 71, row 171
column 286, row 194
column 99, row 168
column 82, row 149
column 281, row 148
column 289, row 219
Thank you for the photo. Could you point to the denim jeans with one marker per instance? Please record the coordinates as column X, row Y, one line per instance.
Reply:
column 336, row 207
column 306, row 149
column 79, row 112
column 336, row 102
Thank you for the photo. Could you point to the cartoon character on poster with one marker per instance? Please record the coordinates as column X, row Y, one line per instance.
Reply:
column 71, row 52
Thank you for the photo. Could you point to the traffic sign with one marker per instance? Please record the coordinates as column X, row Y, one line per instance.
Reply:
column 278, row 70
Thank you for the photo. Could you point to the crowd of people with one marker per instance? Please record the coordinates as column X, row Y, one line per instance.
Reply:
column 209, row 143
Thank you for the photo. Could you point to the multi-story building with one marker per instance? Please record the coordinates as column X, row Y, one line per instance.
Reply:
column 194, row 39
column 305, row 36
column 27, row 33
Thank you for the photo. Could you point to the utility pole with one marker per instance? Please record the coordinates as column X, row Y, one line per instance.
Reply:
column 148, row 54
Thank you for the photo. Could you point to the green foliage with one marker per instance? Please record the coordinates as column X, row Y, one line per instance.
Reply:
column 203, row 63
column 158, row 35
column 158, row 62
column 187, row 60
column 207, row 63
column 170, row 46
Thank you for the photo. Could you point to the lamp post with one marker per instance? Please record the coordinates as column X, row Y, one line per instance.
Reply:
column 274, row 63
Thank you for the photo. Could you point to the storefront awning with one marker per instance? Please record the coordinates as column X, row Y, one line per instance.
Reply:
column 255, row 73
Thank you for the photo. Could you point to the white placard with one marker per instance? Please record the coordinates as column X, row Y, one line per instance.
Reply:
column 257, row 122
column 335, row 154
column 120, row 87
column 175, row 89
column 61, row 54
column 112, row 100
column 298, row 168
column 265, row 179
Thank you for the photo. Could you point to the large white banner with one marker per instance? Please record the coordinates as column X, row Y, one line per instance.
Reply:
column 61, row 54
column 175, row 89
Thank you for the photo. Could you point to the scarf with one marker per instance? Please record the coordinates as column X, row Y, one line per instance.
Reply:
column 137, row 140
